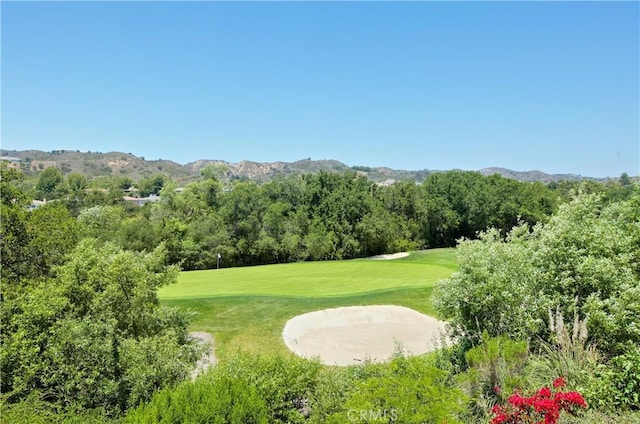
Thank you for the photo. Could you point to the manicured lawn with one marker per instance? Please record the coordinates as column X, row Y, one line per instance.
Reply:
column 247, row 308
column 315, row 279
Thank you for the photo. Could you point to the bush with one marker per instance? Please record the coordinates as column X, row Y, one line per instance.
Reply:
column 283, row 382
column 407, row 390
column 333, row 386
column 95, row 336
column 495, row 368
column 491, row 291
column 584, row 262
column 34, row 410
column 214, row 398
column 247, row 389
column 618, row 384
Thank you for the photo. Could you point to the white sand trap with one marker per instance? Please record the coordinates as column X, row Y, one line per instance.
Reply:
column 390, row 256
column 349, row 335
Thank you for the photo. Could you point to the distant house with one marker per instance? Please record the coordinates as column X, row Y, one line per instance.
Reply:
column 139, row 201
column 387, row 183
column 35, row 204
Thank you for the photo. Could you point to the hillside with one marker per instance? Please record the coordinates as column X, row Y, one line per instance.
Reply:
column 94, row 164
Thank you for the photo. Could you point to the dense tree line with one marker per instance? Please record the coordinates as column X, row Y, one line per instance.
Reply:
column 305, row 217
column 310, row 217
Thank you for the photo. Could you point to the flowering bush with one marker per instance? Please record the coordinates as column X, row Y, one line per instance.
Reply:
column 543, row 407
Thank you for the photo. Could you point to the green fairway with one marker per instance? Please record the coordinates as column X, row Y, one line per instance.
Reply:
column 315, row 279
column 247, row 308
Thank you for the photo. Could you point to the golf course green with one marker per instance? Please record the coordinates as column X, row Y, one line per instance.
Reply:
column 246, row 308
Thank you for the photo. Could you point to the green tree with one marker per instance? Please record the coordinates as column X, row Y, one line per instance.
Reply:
column 50, row 182
column 16, row 250
column 95, row 336
column 32, row 242
column 152, row 185
column 54, row 233
column 101, row 222
column 624, row 179
column 77, row 182
column 242, row 210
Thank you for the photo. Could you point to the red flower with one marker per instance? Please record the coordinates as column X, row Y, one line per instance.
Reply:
column 499, row 419
column 545, row 405
column 542, row 408
column 517, row 401
column 575, row 398
column 551, row 417
column 545, row 392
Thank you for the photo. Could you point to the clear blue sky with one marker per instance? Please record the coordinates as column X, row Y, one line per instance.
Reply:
column 414, row 85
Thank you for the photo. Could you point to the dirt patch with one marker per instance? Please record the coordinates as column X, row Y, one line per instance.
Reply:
column 209, row 358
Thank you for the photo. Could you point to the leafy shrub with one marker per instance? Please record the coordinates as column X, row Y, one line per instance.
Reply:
column 495, row 367
column 96, row 336
column 34, row 410
column 492, row 289
column 406, row 390
column 618, row 385
column 213, row 398
column 584, row 261
column 592, row 416
column 283, row 382
column 246, row 389
column 333, row 386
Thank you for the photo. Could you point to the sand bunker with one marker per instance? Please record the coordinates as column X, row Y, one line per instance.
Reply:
column 345, row 336
column 390, row 256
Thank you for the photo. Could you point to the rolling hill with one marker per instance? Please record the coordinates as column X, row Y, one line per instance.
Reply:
column 94, row 164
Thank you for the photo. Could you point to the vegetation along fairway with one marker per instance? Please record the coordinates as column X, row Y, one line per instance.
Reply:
column 246, row 308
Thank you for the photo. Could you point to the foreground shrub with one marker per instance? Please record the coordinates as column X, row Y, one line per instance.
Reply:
column 491, row 291
column 584, row 262
column 95, row 336
column 591, row 416
column 284, row 383
column 618, row 384
column 34, row 410
column 246, row 389
column 215, row 398
column 496, row 363
column 406, row 390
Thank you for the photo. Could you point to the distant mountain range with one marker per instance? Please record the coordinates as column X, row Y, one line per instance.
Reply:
column 95, row 164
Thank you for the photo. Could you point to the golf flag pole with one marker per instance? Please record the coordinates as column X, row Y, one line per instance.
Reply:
column 219, row 258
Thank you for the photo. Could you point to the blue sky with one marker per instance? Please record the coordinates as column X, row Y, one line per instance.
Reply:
column 414, row 85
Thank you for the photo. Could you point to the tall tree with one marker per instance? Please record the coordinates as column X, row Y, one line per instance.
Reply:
column 50, row 182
